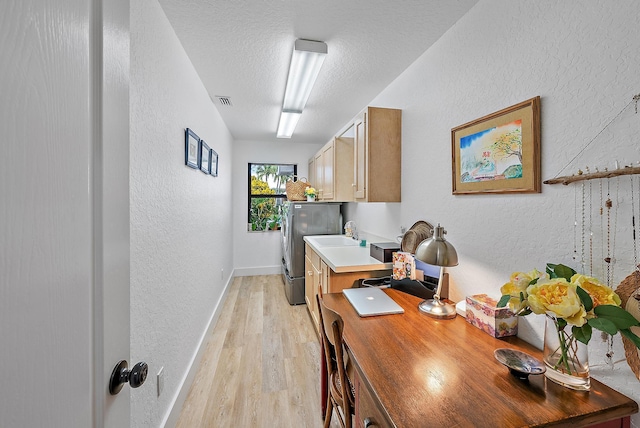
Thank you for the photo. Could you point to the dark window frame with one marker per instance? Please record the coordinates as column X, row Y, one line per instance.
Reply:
column 279, row 197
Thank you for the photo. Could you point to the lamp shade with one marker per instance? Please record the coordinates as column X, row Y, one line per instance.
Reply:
column 436, row 250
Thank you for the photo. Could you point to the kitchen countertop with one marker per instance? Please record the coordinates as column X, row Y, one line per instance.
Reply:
column 343, row 259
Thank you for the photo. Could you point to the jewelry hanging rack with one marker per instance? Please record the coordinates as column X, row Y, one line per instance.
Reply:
column 581, row 176
column 627, row 170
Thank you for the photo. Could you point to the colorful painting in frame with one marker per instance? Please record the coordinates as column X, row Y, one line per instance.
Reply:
column 498, row 153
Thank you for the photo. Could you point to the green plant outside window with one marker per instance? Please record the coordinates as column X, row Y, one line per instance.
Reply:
column 267, row 183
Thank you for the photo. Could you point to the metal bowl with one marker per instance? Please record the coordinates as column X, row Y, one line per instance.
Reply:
column 520, row 364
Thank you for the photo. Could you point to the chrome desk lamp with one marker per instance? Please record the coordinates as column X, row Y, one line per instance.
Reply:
column 438, row 252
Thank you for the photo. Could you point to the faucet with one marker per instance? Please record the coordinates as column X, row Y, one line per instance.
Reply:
column 351, row 230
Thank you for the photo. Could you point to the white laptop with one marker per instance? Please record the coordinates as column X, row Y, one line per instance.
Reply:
column 370, row 301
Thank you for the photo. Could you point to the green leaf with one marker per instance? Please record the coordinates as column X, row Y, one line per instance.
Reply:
column 582, row 334
column 525, row 312
column 504, row 300
column 603, row 324
column 629, row 335
column 587, row 301
column 550, row 270
column 560, row 271
column 621, row 318
column 562, row 323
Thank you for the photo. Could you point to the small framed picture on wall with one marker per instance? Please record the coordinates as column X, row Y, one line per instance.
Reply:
column 191, row 149
column 205, row 157
column 214, row 163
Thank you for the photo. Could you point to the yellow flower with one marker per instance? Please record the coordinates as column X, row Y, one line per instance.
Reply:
column 558, row 297
column 518, row 283
column 600, row 294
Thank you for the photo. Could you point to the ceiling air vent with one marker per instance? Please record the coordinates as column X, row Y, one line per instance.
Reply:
column 225, row 101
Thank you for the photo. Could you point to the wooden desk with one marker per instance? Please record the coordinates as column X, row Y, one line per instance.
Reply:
column 415, row 371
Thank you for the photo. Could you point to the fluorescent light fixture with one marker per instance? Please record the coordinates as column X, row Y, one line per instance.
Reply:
column 306, row 61
column 287, row 124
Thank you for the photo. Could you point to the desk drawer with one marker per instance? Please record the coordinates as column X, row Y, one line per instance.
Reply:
column 368, row 412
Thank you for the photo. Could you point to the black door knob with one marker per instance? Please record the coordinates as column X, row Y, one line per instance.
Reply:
column 121, row 375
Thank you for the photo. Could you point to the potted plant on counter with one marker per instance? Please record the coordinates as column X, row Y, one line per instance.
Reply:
column 310, row 193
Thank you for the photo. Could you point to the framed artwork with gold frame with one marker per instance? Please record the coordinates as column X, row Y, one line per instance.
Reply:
column 498, row 153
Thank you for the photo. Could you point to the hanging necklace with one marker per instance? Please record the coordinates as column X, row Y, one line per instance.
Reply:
column 607, row 259
column 615, row 232
column 602, row 227
column 590, row 228
column 575, row 224
column 633, row 224
column 582, row 237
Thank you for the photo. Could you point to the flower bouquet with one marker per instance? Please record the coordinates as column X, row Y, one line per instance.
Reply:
column 310, row 193
column 574, row 304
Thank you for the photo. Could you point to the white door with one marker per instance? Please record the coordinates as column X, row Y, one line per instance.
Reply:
column 64, row 211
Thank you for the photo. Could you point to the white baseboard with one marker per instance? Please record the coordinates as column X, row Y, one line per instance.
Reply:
column 261, row 270
column 171, row 418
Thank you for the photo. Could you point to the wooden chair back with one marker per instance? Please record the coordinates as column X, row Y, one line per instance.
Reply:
column 331, row 326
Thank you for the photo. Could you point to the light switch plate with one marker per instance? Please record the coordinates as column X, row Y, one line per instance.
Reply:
column 160, row 380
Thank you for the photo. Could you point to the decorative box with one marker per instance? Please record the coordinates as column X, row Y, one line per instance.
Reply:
column 404, row 265
column 483, row 313
column 383, row 251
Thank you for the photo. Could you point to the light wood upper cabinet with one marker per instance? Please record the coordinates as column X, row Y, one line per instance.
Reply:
column 334, row 170
column 359, row 156
column 377, row 155
column 363, row 163
column 328, row 160
column 312, row 172
column 318, row 175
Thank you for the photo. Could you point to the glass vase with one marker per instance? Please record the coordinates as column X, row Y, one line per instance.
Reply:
column 566, row 358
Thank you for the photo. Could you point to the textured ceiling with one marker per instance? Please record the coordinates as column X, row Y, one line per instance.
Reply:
column 241, row 49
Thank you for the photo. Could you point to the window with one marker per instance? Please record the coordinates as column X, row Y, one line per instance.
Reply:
column 267, row 193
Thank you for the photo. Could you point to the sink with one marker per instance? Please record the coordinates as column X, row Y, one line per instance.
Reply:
column 334, row 241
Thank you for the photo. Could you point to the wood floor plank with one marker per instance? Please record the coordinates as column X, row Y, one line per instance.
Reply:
column 261, row 363
column 275, row 410
column 247, row 400
column 255, row 311
column 273, row 378
column 303, row 401
column 236, row 335
column 220, row 398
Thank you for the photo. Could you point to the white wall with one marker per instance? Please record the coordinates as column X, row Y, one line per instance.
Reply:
column 259, row 253
column 180, row 217
column 582, row 59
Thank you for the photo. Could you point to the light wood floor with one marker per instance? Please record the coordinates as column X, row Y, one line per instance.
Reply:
column 261, row 364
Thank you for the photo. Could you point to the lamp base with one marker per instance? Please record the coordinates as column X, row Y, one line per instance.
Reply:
column 436, row 308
